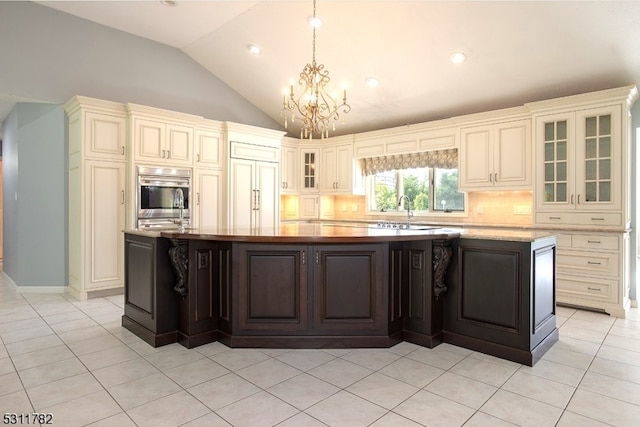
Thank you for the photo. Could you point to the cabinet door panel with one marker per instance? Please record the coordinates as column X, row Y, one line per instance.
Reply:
column 242, row 195
column 512, row 157
column 328, row 182
column 267, row 197
column 209, row 189
column 289, row 169
column 105, row 217
column 148, row 140
column 309, row 207
column 476, row 169
column 106, row 135
column 344, row 168
column 598, row 159
column 179, row 144
column 209, row 150
column 272, row 288
column 349, row 291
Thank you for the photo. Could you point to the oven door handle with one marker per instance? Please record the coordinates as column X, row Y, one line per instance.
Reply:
column 163, row 183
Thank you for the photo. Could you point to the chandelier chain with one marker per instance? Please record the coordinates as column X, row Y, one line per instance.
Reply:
column 314, row 106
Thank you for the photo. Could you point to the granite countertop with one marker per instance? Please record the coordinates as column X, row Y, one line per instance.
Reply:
column 343, row 233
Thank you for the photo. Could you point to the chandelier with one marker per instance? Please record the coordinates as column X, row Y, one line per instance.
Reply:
column 313, row 106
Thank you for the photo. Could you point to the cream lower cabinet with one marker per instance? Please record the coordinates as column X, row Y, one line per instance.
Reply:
column 96, row 222
column 593, row 271
column 496, row 156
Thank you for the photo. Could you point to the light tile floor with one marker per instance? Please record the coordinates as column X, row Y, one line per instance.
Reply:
column 74, row 360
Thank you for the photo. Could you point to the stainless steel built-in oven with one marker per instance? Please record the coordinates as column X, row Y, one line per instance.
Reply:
column 160, row 195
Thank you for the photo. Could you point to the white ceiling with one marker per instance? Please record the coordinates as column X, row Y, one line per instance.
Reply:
column 516, row 51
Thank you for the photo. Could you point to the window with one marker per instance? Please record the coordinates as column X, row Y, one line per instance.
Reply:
column 429, row 189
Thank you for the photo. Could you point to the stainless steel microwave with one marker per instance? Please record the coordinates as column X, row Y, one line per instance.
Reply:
column 158, row 198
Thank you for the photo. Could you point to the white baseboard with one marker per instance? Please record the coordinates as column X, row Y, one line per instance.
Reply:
column 35, row 289
column 42, row 289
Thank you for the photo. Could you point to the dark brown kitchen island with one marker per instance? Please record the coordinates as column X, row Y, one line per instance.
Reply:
column 298, row 286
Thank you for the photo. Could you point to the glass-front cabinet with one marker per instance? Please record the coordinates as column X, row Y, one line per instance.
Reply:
column 309, row 159
column 579, row 160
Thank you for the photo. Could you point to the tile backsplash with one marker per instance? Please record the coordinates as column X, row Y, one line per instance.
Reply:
column 505, row 208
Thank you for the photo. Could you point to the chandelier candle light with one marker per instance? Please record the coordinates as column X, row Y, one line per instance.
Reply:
column 314, row 107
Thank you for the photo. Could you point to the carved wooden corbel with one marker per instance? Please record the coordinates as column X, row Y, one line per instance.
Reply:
column 441, row 260
column 178, row 254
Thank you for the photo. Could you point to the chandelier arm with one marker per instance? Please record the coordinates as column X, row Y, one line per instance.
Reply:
column 314, row 107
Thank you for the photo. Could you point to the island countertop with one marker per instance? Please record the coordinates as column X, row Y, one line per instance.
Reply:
column 343, row 233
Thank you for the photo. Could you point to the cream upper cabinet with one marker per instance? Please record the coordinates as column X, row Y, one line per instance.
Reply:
column 309, row 170
column 105, row 135
column 496, row 156
column 209, row 148
column 580, row 167
column 337, row 169
column 289, row 169
column 159, row 142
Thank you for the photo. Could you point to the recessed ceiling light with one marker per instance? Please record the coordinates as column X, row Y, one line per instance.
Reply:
column 169, row 3
column 254, row 50
column 372, row 82
column 457, row 57
column 315, row 21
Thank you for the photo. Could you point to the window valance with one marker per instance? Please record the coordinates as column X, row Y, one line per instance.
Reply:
column 443, row 159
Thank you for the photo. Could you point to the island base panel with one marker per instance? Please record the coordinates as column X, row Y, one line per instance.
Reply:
column 423, row 340
column 150, row 337
column 309, row 342
column 524, row 357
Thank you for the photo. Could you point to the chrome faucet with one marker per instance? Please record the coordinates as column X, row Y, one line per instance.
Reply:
column 179, row 202
column 407, row 203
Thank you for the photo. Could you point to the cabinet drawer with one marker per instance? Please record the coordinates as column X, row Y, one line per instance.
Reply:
column 588, row 263
column 563, row 241
column 590, row 241
column 570, row 288
column 579, row 218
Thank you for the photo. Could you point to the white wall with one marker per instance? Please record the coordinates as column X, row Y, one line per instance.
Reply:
column 51, row 56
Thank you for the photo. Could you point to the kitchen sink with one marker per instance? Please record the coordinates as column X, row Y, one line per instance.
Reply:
column 398, row 226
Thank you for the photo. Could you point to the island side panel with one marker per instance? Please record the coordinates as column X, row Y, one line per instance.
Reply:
column 199, row 307
column 494, row 286
column 151, row 306
column 423, row 309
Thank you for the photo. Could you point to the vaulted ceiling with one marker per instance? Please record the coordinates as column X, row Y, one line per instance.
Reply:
column 516, row 51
